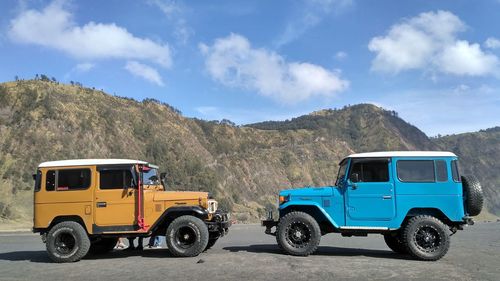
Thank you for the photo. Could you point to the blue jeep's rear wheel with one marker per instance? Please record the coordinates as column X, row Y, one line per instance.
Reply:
column 426, row 238
column 298, row 234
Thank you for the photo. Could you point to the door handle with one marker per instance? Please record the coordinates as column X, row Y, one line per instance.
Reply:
column 387, row 197
column 130, row 193
column 101, row 204
column 354, row 186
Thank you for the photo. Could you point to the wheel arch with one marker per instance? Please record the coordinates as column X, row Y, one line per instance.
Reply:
column 434, row 212
column 59, row 219
column 160, row 226
column 324, row 220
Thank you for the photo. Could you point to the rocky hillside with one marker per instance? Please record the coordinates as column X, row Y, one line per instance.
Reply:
column 244, row 166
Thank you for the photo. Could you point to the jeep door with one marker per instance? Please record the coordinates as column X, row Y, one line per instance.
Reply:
column 369, row 191
column 115, row 198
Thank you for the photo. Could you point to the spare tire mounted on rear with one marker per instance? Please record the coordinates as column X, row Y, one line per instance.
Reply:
column 473, row 194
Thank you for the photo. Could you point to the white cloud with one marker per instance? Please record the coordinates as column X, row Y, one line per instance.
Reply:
column 84, row 67
column 207, row 110
column 429, row 41
column 53, row 27
column 233, row 62
column 492, row 43
column 175, row 14
column 463, row 58
column 310, row 14
column 145, row 72
column 341, row 55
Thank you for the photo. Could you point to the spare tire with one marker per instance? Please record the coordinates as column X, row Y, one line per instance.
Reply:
column 473, row 194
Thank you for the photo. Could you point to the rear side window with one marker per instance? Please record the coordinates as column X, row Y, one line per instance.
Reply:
column 73, row 179
column 441, row 171
column 50, row 180
column 416, row 170
column 371, row 171
column 70, row 179
column 454, row 171
column 115, row 179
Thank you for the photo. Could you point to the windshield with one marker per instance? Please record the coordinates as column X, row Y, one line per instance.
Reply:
column 150, row 177
column 342, row 171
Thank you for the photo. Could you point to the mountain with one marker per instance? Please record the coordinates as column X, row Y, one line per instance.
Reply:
column 243, row 166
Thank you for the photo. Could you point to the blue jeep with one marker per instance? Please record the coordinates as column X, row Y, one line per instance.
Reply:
column 416, row 199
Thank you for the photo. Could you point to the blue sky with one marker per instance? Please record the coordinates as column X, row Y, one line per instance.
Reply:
column 435, row 62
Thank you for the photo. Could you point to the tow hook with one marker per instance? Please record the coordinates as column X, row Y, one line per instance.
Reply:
column 468, row 220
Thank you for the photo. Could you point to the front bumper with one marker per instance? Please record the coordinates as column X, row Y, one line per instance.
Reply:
column 269, row 223
column 219, row 225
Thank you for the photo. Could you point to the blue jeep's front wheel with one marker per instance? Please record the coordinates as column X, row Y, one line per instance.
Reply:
column 298, row 234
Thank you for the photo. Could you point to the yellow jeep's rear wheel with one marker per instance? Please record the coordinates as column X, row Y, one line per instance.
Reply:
column 187, row 236
column 67, row 242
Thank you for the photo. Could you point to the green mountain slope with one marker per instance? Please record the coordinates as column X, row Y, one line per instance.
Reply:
column 243, row 166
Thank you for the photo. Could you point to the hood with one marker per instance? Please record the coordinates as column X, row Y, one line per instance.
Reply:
column 309, row 191
column 179, row 195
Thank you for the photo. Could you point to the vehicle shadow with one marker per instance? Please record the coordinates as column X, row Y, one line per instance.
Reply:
column 322, row 251
column 32, row 256
column 42, row 257
column 155, row 253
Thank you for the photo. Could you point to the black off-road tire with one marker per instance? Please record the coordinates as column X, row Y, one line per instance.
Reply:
column 426, row 238
column 473, row 193
column 211, row 243
column 67, row 242
column 187, row 236
column 298, row 234
column 103, row 246
column 395, row 243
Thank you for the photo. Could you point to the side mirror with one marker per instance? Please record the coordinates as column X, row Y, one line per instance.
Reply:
column 354, row 177
column 34, row 177
column 163, row 180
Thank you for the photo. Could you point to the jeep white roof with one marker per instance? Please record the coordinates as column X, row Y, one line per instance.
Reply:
column 89, row 162
column 403, row 154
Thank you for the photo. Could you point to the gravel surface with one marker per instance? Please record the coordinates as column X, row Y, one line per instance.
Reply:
column 248, row 254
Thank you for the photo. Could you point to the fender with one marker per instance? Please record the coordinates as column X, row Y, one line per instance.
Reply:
column 301, row 203
column 173, row 212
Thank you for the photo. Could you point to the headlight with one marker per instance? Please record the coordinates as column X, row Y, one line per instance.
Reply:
column 212, row 206
column 284, row 198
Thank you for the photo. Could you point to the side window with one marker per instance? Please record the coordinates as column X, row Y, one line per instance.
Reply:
column 416, row 170
column 50, row 180
column 441, row 171
column 73, row 179
column 454, row 171
column 115, row 179
column 38, row 181
column 372, row 171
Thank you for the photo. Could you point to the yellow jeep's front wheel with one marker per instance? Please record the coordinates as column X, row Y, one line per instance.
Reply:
column 187, row 236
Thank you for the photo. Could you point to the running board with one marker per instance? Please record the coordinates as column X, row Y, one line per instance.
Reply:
column 363, row 228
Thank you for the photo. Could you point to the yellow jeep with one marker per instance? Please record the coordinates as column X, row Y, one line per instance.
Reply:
column 83, row 206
